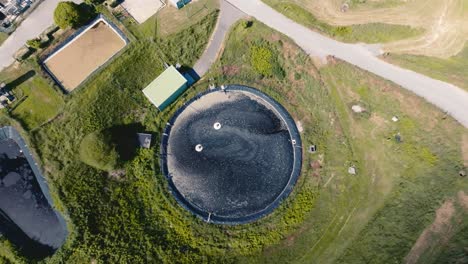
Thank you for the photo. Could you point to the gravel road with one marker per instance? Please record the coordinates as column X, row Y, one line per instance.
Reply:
column 447, row 97
column 227, row 17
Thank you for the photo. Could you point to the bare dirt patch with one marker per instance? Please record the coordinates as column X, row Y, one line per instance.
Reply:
column 445, row 22
column 231, row 70
column 437, row 234
column 73, row 64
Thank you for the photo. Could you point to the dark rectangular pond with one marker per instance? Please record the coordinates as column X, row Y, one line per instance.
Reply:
column 27, row 217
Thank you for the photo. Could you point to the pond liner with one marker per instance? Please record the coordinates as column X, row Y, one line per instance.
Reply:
column 27, row 245
column 238, row 219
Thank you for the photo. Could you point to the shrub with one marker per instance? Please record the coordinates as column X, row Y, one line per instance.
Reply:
column 247, row 23
column 297, row 76
column 34, row 43
column 265, row 61
column 69, row 14
column 342, row 31
column 261, row 58
column 94, row 2
column 97, row 150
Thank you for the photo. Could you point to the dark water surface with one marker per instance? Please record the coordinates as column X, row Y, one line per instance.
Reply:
column 26, row 216
column 245, row 167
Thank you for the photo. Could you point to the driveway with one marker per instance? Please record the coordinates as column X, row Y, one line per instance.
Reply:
column 38, row 21
column 227, row 17
column 446, row 96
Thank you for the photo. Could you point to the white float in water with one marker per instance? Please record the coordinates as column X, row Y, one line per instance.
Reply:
column 199, row 147
column 217, row 126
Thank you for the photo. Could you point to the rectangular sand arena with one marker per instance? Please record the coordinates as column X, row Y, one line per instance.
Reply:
column 73, row 63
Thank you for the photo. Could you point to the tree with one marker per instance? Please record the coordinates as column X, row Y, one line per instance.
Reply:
column 261, row 59
column 69, row 14
column 94, row 2
column 34, row 43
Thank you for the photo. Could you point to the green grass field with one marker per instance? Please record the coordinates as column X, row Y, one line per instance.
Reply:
column 38, row 102
column 368, row 33
column 331, row 216
column 452, row 70
column 3, row 37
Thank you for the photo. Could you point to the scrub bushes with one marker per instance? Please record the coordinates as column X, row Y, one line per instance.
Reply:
column 98, row 151
column 265, row 61
column 69, row 14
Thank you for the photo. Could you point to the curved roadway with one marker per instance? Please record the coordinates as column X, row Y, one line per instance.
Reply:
column 447, row 97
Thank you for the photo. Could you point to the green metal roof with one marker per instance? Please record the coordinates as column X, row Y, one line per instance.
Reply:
column 166, row 85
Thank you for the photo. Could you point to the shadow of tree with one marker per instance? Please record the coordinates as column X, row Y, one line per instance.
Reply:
column 125, row 139
column 20, row 80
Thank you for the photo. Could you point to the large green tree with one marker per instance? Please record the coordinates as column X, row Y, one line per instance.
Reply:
column 68, row 14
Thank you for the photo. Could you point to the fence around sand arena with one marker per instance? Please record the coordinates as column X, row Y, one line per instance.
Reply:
column 72, row 39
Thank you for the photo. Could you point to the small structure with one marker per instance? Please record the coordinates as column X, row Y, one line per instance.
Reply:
column 144, row 140
column 179, row 3
column 395, row 119
column 398, row 138
column 166, row 88
column 6, row 97
column 352, row 170
column 312, row 148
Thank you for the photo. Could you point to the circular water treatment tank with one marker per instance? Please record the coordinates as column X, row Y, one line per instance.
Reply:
column 231, row 155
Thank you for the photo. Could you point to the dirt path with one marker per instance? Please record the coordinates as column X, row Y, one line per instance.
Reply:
column 445, row 22
column 437, row 234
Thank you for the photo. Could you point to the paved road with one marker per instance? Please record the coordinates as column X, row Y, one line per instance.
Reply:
column 446, row 96
column 227, row 17
column 38, row 21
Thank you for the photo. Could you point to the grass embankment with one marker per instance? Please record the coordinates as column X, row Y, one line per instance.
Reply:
column 452, row 70
column 113, row 226
column 377, row 215
column 368, row 33
column 3, row 37
column 135, row 219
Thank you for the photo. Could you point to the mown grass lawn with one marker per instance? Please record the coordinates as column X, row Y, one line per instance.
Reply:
column 367, row 33
column 452, row 70
column 38, row 102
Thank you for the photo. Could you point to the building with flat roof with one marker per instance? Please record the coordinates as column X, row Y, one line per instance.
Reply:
column 179, row 3
column 166, row 88
column 144, row 140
